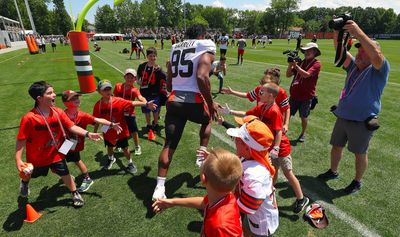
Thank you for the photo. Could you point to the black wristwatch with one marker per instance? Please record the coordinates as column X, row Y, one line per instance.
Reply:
column 87, row 134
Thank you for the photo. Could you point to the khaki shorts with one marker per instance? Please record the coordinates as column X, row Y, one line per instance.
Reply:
column 284, row 162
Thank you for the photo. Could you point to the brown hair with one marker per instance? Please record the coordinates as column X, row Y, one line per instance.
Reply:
column 38, row 89
column 222, row 169
column 271, row 74
column 272, row 88
column 151, row 50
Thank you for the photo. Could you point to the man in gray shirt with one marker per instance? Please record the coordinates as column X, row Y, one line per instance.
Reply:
column 241, row 45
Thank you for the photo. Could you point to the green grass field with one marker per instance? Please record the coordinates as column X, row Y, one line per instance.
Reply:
column 118, row 203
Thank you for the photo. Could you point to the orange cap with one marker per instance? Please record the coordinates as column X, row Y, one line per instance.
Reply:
column 246, row 119
column 254, row 133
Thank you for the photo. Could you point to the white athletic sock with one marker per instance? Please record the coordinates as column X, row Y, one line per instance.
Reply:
column 203, row 148
column 130, row 161
column 111, row 157
column 161, row 181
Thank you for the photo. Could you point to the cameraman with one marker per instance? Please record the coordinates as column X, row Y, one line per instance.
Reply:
column 302, row 89
column 360, row 101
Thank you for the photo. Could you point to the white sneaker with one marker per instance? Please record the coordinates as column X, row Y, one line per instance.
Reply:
column 138, row 150
column 159, row 193
column 110, row 162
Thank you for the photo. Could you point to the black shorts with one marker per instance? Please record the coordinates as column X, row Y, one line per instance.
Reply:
column 222, row 51
column 178, row 113
column 304, row 107
column 132, row 126
column 59, row 167
column 123, row 142
column 73, row 156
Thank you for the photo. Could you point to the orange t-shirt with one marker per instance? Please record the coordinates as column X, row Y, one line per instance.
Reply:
column 40, row 147
column 130, row 93
column 113, row 112
column 272, row 117
column 281, row 99
column 82, row 120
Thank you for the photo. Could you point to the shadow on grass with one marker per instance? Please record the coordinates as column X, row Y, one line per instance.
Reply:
column 143, row 186
column 294, row 142
column 195, row 226
column 312, row 188
column 143, row 134
column 48, row 198
column 101, row 158
column 15, row 219
column 320, row 188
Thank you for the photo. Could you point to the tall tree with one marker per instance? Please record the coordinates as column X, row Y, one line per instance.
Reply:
column 123, row 14
column 136, row 18
column 388, row 20
column 284, row 11
column 268, row 21
column 252, row 21
column 397, row 27
column 62, row 20
column 105, row 20
column 149, row 11
column 170, row 12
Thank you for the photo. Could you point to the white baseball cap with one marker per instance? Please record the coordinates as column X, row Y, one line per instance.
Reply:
column 254, row 133
column 131, row 71
column 310, row 46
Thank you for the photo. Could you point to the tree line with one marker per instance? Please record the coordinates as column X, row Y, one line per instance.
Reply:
column 49, row 16
column 280, row 16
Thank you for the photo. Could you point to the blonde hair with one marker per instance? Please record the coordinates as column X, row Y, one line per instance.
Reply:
column 222, row 169
column 272, row 88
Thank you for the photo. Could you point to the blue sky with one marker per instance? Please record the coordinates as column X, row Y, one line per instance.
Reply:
column 77, row 5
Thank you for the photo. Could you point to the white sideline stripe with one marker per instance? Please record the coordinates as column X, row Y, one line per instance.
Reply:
column 83, row 68
column 107, row 63
column 361, row 228
column 82, row 58
column 11, row 58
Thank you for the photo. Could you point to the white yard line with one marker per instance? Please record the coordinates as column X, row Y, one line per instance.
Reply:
column 361, row 228
column 11, row 58
column 358, row 226
column 109, row 64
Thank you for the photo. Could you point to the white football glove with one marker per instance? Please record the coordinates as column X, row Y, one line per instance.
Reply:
column 274, row 153
column 225, row 110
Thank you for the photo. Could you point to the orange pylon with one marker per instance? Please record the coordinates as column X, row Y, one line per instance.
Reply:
column 31, row 214
column 151, row 136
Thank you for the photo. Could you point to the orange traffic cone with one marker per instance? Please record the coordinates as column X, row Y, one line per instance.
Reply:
column 31, row 214
column 151, row 136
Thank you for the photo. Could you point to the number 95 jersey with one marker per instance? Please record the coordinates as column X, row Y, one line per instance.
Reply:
column 184, row 59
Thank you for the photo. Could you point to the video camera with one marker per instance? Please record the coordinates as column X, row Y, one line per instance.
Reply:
column 292, row 56
column 340, row 21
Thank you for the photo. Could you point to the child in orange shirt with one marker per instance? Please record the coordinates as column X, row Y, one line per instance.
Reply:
column 113, row 108
column 269, row 113
column 128, row 91
column 43, row 132
column 71, row 101
column 220, row 174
